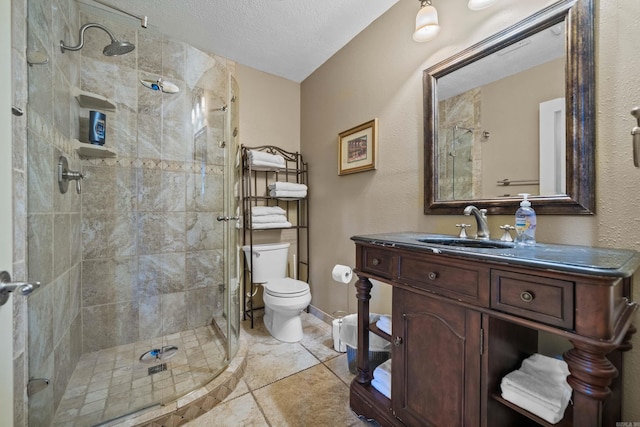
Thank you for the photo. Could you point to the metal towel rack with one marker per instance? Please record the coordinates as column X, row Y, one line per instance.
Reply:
column 506, row 182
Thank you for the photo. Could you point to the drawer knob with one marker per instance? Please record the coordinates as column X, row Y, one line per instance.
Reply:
column 375, row 261
column 433, row 275
column 527, row 296
column 397, row 341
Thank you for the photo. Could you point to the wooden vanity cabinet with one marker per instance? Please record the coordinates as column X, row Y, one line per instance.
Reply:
column 461, row 324
column 436, row 366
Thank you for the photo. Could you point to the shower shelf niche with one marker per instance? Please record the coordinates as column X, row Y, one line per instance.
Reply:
column 85, row 149
column 93, row 101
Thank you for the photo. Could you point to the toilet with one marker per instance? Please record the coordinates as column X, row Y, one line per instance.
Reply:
column 284, row 298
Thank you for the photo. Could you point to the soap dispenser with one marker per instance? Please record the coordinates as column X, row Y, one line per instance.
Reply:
column 525, row 222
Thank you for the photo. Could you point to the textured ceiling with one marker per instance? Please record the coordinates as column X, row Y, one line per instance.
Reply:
column 288, row 38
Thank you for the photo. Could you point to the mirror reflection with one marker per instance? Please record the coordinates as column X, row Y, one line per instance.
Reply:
column 515, row 113
column 501, row 122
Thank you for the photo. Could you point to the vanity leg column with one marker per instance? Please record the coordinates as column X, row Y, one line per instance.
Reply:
column 363, row 294
column 591, row 375
column 613, row 407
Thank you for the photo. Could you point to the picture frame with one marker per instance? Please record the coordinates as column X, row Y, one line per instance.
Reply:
column 357, row 148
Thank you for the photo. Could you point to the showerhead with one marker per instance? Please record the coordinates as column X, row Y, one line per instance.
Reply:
column 116, row 47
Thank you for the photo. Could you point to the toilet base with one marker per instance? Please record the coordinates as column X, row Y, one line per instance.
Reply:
column 285, row 329
column 282, row 316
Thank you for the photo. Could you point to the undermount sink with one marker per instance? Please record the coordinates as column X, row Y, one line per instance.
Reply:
column 467, row 243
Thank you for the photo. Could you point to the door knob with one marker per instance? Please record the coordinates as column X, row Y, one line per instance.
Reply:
column 6, row 286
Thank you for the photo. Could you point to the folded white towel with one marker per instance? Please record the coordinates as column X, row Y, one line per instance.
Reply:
column 295, row 194
column 384, row 324
column 262, row 156
column 262, row 165
column 382, row 388
column 265, row 225
column 291, row 186
column 545, row 366
column 546, row 393
column 524, row 402
column 267, row 210
column 268, row 218
column 382, row 373
column 543, row 378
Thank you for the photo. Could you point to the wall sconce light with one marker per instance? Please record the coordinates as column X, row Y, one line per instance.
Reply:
column 427, row 26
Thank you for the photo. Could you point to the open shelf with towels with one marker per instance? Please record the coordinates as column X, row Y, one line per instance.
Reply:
column 275, row 179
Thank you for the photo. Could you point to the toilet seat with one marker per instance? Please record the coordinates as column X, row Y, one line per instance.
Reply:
column 286, row 287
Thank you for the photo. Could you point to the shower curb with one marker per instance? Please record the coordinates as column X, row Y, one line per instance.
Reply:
column 196, row 403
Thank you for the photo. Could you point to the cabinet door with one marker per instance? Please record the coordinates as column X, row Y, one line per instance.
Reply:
column 436, row 363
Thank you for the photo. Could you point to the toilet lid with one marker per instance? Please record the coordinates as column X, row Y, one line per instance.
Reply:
column 286, row 287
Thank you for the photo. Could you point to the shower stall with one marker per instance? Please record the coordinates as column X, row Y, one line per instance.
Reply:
column 138, row 264
column 459, row 148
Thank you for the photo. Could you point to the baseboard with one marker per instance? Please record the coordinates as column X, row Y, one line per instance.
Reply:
column 325, row 317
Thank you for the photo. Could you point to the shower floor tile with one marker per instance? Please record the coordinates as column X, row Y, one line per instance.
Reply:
column 114, row 382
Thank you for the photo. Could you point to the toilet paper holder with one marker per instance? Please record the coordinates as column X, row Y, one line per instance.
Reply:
column 342, row 273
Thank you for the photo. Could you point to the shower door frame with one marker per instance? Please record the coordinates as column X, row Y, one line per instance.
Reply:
column 232, row 173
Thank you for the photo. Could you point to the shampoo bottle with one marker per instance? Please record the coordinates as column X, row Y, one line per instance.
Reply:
column 525, row 222
column 97, row 127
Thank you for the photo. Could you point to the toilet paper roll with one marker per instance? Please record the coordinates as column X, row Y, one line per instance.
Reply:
column 342, row 273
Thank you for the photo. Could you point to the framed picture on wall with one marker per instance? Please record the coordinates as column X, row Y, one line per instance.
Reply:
column 357, row 148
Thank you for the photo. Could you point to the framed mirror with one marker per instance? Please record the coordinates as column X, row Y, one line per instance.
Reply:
column 515, row 114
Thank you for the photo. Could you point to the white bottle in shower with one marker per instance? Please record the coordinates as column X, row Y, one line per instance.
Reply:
column 525, row 223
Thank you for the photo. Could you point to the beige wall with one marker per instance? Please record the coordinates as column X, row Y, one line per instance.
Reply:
column 269, row 109
column 512, row 149
column 379, row 74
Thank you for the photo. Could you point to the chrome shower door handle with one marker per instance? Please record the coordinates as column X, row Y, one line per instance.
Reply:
column 7, row 286
column 635, row 133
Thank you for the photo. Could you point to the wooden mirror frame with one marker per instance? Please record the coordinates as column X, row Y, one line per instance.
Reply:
column 580, row 112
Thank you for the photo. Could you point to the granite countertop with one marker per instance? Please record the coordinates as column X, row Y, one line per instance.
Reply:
column 569, row 258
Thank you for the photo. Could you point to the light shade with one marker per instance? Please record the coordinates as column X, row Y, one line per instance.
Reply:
column 427, row 26
column 480, row 4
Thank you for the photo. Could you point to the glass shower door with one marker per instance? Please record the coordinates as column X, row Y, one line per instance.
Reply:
column 135, row 270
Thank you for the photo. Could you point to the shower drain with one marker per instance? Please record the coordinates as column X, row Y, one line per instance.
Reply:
column 158, row 354
column 158, row 368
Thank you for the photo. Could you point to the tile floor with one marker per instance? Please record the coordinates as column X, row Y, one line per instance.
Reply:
column 289, row 385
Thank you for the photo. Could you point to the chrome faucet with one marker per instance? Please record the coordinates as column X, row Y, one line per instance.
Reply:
column 481, row 220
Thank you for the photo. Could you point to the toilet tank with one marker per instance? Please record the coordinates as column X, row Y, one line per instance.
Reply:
column 269, row 261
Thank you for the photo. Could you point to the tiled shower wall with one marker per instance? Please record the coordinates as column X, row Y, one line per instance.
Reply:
column 138, row 254
column 465, row 176
column 151, row 246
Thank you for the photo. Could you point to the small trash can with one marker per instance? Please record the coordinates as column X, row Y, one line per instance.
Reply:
column 379, row 348
column 375, row 358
